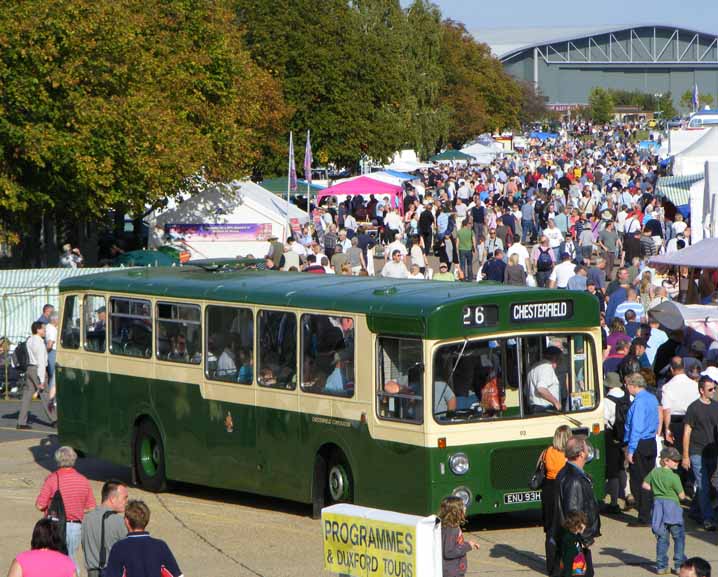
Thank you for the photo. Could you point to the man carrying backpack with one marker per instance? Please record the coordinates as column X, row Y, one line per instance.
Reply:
column 66, row 495
column 615, row 410
column 35, row 377
column 543, row 260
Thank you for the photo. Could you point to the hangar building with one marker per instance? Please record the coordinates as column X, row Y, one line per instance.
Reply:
column 567, row 63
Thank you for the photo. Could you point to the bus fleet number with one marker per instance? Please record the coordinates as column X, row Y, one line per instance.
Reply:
column 480, row 316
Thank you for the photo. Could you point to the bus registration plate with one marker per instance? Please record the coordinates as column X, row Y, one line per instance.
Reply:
column 522, row 497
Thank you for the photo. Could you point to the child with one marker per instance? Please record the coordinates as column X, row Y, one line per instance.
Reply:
column 454, row 548
column 667, row 512
column 571, row 546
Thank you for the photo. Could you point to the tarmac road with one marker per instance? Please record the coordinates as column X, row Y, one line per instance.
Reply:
column 230, row 534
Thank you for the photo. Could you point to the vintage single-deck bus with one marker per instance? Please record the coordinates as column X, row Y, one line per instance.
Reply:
column 319, row 389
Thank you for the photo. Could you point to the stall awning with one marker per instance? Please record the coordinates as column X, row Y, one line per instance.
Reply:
column 703, row 254
column 677, row 189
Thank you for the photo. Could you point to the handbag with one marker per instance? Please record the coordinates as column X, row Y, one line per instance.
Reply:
column 539, row 476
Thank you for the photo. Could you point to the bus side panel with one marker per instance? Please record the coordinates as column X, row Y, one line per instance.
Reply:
column 71, row 421
column 185, row 421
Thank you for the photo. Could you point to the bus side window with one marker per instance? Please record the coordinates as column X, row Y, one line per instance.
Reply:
column 131, row 327
column 400, row 390
column 277, row 346
column 70, row 335
column 229, row 352
column 178, row 333
column 95, row 313
column 328, row 355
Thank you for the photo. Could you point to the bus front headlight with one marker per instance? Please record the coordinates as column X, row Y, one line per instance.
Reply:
column 459, row 464
column 464, row 494
column 592, row 453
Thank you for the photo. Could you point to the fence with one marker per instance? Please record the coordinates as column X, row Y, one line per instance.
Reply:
column 23, row 293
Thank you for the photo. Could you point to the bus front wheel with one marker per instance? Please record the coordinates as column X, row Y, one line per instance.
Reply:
column 339, row 482
column 150, row 457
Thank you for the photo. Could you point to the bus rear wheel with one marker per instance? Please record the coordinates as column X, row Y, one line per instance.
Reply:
column 150, row 457
column 340, row 486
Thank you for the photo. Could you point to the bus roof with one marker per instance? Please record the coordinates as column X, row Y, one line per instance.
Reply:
column 429, row 309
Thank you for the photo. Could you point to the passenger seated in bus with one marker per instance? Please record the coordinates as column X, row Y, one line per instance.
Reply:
column 178, row 352
column 267, row 378
column 246, row 369
column 336, row 380
column 213, row 353
column 312, row 379
column 227, row 363
column 544, row 391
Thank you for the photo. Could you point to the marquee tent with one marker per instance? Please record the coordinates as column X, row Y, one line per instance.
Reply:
column 451, row 156
column 364, row 185
column 703, row 254
column 692, row 160
column 482, row 153
column 227, row 220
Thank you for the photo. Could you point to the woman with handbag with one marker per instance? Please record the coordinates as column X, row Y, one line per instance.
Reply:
column 552, row 459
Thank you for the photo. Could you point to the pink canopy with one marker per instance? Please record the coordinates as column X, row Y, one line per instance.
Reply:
column 365, row 185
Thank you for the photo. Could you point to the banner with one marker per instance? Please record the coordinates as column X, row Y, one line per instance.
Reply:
column 308, row 160
column 220, row 232
column 292, row 167
column 365, row 542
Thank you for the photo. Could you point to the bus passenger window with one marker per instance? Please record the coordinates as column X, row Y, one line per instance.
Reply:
column 131, row 327
column 178, row 333
column 400, row 379
column 95, row 313
column 70, row 335
column 328, row 355
column 277, row 348
column 229, row 352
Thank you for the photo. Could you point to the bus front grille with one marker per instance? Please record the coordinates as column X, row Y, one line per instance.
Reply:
column 511, row 467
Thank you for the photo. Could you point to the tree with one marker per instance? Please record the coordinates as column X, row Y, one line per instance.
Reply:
column 600, row 105
column 704, row 99
column 533, row 104
column 111, row 105
column 478, row 91
column 664, row 105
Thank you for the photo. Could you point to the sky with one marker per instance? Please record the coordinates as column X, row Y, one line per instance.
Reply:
column 481, row 14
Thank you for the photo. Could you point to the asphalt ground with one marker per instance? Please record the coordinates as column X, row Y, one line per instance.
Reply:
column 231, row 534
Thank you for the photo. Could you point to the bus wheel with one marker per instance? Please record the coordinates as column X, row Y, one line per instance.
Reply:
column 339, row 482
column 150, row 457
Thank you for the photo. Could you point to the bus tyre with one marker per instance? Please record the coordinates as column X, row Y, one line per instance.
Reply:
column 150, row 457
column 339, row 482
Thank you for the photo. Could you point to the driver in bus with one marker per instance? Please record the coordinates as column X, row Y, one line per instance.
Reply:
column 543, row 384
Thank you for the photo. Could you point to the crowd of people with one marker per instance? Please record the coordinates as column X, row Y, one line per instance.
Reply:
column 113, row 535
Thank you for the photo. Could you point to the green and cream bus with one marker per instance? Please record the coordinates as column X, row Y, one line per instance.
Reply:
column 320, row 389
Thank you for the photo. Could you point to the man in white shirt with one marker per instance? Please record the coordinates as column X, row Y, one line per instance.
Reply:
column 677, row 394
column 51, row 344
column 395, row 268
column 544, row 387
column 522, row 251
column 554, row 236
column 562, row 272
column 36, row 377
column 396, row 245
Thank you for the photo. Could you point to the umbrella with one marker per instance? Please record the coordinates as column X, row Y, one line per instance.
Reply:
column 145, row 258
column 675, row 316
column 451, row 154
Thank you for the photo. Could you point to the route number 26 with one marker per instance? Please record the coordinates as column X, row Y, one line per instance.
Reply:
column 474, row 316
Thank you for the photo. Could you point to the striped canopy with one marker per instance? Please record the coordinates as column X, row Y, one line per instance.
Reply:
column 677, row 189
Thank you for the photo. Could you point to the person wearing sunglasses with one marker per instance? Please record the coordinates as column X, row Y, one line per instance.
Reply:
column 700, row 450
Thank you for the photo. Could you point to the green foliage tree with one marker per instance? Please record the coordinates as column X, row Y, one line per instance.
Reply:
column 600, row 105
column 111, row 105
column 664, row 105
column 533, row 105
column 704, row 99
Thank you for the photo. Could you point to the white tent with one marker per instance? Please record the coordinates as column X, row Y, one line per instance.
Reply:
column 406, row 161
column 692, row 159
column 482, row 153
column 228, row 220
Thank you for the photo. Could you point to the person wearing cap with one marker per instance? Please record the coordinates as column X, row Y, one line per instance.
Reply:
column 667, row 512
column 561, row 273
column 640, row 439
column 395, row 268
column 700, row 451
column 444, row 274
column 543, row 384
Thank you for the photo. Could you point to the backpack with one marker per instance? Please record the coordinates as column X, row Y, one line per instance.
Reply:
column 56, row 513
column 21, row 357
column 544, row 262
column 619, row 424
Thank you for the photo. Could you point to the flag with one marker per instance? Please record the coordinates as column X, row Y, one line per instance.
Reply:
column 696, row 101
column 308, row 161
column 292, row 168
